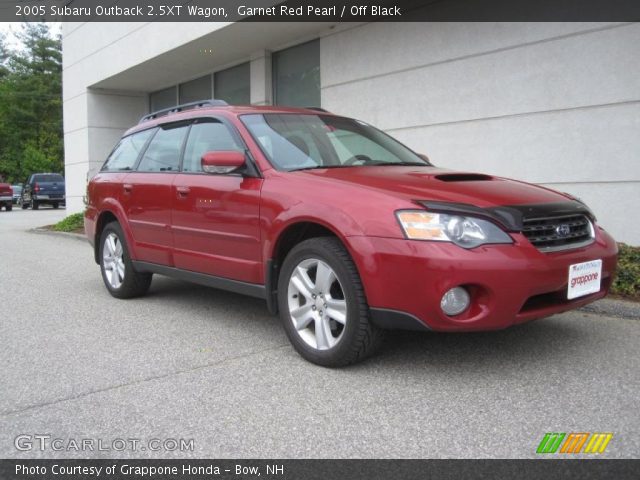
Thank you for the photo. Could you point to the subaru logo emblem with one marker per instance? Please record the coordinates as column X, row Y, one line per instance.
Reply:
column 563, row 230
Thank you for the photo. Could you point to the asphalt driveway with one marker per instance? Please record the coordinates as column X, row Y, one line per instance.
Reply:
column 188, row 362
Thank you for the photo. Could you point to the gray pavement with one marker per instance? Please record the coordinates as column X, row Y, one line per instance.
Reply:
column 188, row 362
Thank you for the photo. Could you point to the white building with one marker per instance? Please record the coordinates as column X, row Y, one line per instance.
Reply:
column 552, row 103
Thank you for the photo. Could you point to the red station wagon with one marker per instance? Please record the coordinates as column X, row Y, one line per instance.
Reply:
column 341, row 229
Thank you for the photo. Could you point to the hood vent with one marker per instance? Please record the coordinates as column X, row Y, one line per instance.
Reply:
column 463, row 177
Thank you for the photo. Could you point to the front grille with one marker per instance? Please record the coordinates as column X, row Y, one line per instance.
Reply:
column 558, row 233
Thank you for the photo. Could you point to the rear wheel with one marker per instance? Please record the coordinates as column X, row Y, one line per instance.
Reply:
column 322, row 304
column 118, row 274
column 23, row 204
column 34, row 205
column 9, row 207
column 55, row 205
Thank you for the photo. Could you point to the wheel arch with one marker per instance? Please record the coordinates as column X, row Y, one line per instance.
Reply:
column 288, row 237
column 105, row 217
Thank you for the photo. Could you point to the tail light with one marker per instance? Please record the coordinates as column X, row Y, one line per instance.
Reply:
column 11, row 191
column 36, row 187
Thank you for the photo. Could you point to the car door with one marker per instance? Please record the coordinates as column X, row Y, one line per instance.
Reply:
column 215, row 219
column 147, row 194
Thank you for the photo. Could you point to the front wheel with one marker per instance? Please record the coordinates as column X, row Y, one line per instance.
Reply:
column 118, row 274
column 323, row 306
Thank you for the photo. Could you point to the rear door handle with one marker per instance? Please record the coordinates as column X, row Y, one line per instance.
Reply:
column 127, row 187
column 183, row 191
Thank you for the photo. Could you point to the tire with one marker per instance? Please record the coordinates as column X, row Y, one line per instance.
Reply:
column 24, row 205
column 9, row 207
column 127, row 283
column 348, row 335
column 55, row 205
column 34, row 205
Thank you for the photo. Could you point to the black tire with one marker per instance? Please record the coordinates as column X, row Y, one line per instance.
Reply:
column 9, row 207
column 134, row 284
column 55, row 205
column 34, row 205
column 359, row 337
column 24, row 205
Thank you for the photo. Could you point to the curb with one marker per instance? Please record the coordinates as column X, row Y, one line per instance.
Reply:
column 45, row 231
column 613, row 307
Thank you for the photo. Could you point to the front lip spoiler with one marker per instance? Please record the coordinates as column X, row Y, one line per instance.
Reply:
column 511, row 217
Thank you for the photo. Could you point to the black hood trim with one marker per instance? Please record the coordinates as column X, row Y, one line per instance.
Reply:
column 511, row 217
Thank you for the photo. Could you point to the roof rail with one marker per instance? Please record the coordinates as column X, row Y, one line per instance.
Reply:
column 185, row 106
column 318, row 109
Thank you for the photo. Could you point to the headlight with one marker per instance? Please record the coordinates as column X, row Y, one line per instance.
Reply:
column 467, row 232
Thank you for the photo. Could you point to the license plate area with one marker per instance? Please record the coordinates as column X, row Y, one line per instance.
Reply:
column 584, row 278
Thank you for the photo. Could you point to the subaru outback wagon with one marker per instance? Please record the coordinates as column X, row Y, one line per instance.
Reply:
column 341, row 229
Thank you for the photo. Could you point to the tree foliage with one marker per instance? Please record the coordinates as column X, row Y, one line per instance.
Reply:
column 31, row 138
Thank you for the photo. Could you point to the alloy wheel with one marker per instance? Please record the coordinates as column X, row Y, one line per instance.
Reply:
column 317, row 304
column 113, row 260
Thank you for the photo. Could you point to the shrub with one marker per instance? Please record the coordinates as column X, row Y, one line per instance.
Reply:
column 627, row 280
column 71, row 223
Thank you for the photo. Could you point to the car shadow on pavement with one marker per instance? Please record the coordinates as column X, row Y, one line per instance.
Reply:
column 542, row 341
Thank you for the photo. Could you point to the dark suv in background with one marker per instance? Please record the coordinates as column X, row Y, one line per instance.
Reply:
column 43, row 188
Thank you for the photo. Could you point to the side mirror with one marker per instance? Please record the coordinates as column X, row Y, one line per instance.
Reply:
column 222, row 162
column 424, row 157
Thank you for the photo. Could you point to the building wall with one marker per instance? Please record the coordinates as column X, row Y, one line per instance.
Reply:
column 552, row 103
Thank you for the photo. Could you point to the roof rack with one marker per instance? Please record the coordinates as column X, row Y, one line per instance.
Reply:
column 318, row 109
column 185, row 106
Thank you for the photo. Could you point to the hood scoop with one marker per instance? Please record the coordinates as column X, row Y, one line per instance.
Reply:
column 463, row 177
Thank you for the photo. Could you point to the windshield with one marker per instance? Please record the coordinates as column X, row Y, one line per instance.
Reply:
column 16, row 188
column 299, row 141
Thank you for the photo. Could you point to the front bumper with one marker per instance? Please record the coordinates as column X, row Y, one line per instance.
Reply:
column 404, row 281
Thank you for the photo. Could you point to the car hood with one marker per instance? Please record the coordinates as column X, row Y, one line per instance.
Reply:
column 437, row 184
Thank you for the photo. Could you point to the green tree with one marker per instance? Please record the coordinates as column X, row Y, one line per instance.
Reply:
column 31, row 137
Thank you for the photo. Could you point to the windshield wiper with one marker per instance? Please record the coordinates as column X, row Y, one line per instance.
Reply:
column 318, row 167
column 402, row 164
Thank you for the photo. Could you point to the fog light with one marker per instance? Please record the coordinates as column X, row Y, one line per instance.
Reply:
column 455, row 301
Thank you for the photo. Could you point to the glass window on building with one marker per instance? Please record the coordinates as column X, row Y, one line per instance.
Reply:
column 162, row 99
column 233, row 85
column 296, row 75
column 195, row 90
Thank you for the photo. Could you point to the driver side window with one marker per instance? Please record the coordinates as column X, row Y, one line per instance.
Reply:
column 207, row 136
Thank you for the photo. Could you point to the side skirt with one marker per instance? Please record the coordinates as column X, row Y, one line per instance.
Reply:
column 244, row 288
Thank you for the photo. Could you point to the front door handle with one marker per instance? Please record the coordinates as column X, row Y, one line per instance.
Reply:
column 127, row 187
column 183, row 191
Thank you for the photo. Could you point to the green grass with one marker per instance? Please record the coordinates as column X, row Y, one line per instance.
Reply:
column 72, row 223
column 627, row 281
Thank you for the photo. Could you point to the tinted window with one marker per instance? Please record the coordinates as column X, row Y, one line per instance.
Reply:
column 124, row 156
column 163, row 99
column 296, row 75
column 163, row 153
column 48, row 177
column 195, row 90
column 233, row 85
column 206, row 137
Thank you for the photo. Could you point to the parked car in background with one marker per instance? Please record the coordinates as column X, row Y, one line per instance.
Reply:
column 17, row 193
column 6, row 196
column 339, row 227
column 43, row 188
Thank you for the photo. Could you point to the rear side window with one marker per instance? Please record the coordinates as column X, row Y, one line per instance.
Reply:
column 126, row 153
column 206, row 137
column 48, row 177
column 163, row 153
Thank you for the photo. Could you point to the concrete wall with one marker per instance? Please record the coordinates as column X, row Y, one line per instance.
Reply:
column 551, row 103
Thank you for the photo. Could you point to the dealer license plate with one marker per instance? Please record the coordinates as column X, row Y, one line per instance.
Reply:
column 584, row 278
